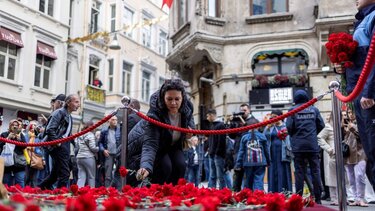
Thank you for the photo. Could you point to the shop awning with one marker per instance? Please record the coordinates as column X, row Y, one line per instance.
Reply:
column 11, row 37
column 46, row 50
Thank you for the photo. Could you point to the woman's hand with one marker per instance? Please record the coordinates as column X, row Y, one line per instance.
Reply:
column 142, row 173
column 189, row 135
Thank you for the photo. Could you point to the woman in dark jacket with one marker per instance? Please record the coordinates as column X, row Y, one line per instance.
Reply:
column 156, row 152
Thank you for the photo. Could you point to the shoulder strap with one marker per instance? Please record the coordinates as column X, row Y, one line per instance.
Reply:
column 252, row 135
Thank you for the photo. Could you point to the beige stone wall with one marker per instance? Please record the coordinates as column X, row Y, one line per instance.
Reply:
column 233, row 44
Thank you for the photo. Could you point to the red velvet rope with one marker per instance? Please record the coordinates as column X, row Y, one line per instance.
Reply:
column 369, row 63
column 58, row 141
column 232, row 130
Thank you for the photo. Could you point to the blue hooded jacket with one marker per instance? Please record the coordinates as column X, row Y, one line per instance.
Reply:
column 363, row 33
column 304, row 126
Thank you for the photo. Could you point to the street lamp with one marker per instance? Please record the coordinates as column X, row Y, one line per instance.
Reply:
column 325, row 70
column 114, row 45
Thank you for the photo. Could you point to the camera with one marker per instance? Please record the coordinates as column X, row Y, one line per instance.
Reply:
column 237, row 116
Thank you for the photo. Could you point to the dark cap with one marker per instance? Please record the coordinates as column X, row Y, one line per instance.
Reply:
column 277, row 112
column 60, row 97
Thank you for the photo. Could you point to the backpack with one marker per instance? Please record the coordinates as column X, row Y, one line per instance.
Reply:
column 254, row 150
column 8, row 154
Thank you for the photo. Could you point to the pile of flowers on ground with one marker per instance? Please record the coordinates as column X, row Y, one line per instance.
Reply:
column 180, row 197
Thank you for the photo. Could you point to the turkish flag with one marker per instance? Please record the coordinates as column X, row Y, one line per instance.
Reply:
column 167, row 2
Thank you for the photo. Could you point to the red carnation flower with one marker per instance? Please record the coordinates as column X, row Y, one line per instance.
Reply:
column 32, row 207
column 275, row 202
column 74, row 189
column 182, row 181
column 340, row 48
column 123, row 171
column 113, row 204
column 294, row 203
column 18, row 198
column 282, row 134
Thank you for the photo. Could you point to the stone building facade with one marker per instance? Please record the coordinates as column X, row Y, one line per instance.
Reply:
column 225, row 48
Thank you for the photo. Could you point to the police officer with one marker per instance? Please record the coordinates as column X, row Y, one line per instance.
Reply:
column 303, row 128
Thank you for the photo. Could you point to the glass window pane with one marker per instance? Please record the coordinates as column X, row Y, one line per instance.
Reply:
column 278, row 6
column 128, row 20
column 289, row 66
column 50, row 7
column 37, row 76
column 110, row 64
column 12, row 49
column 46, row 79
column 128, row 82
column 47, row 62
column 267, row 67
column 123, row 82
column 3, row 46
column 11, row 68
column 39, row 59
column 2, row 65
column 42, row 5
column 110, row 84
column 212, row 8
column 259, row 7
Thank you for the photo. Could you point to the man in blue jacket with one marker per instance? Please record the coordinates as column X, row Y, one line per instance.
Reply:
column 364, row 103
column 109, row 146
column 303, row 128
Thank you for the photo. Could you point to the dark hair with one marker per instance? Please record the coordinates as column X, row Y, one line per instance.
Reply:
column 211, row 111
column 171, row 84
column 134, row 103
column 277, row 112
column 245, row 104
column 87, row 124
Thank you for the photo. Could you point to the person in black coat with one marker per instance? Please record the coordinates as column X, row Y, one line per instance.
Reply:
column 60, row 126
column 156, row 152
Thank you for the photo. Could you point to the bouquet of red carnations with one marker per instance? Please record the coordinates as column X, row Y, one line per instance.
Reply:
column 282, row 134
column 340, row 48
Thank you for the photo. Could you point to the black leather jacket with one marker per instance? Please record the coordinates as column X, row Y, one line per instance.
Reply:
column 57, row 125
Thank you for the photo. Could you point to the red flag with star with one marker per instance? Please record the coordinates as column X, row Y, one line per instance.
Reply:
column 167, row 2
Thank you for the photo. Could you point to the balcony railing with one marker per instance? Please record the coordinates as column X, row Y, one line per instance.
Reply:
column 95, row 94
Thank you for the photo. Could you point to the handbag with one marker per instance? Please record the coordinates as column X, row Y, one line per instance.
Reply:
column 254, row 150
column 345, row 150
column 36, row 161
column 19, row 160
column 8, row 154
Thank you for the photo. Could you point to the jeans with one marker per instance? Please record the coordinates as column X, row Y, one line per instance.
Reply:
column 206, row 165
column 194, row 175
column 217, row 172
column 13, row 178
column 254, row 177
column 228, row 180
column 212, row 180
column 300, row 169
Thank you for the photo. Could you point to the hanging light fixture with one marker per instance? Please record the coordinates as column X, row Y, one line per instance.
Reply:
column 114, row 45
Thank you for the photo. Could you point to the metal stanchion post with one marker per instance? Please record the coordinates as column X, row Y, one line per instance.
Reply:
column 124, row 135
column 336, row 111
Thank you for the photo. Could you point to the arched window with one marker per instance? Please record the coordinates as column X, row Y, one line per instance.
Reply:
column 283, row 62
